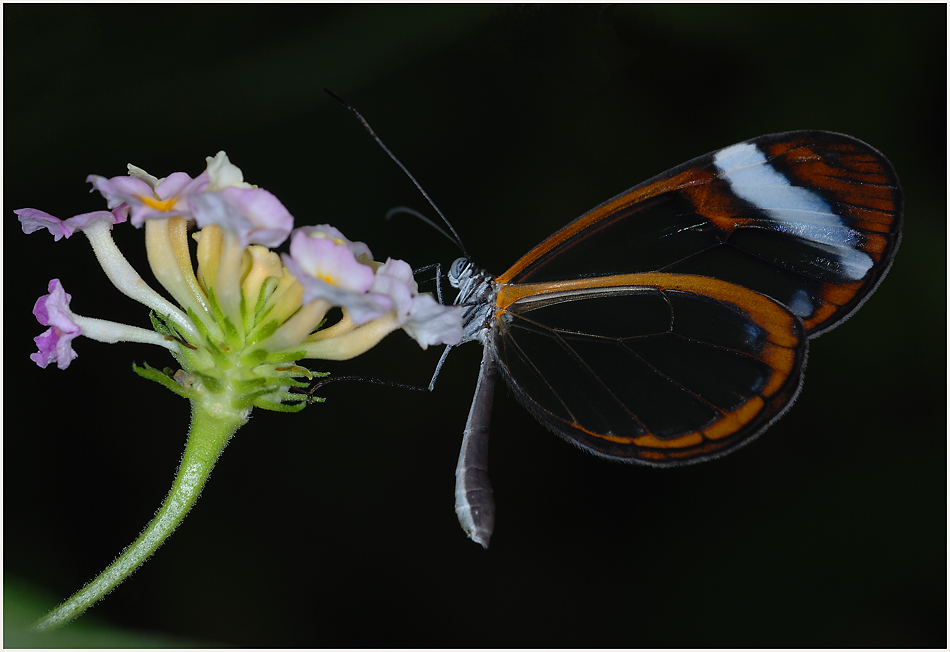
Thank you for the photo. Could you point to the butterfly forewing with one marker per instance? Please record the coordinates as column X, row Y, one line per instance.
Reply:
column 655, row 368
column 811, row 219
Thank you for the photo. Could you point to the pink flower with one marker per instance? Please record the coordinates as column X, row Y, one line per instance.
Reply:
column 254, row 214
column 358, row 249
column 430, row 322
column 395, row 279
column 329, row 271
column 421, row 316
column 32, row 220
column 168, row 197
column 56, row 343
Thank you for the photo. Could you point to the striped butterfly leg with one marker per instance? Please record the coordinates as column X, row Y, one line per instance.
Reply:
column 474, row 499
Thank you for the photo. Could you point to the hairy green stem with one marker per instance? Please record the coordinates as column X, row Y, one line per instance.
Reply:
column 208, row 436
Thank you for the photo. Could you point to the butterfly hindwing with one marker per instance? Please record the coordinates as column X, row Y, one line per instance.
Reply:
column 653, row 368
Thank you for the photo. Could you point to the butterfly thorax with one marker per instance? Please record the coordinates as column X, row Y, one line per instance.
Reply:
column 477, row 291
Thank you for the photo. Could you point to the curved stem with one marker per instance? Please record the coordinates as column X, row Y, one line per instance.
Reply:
column 206, row 440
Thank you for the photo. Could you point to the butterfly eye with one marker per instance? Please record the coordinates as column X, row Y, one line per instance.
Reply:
column 456, row 271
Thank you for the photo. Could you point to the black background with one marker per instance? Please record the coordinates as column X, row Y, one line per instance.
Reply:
column 335, row 527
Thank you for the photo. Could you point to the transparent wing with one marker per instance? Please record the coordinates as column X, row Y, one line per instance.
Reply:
column 809, row 218
column 653, row 368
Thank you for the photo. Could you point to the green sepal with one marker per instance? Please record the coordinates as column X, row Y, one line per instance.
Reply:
column 263, row 330
column 256, row 357
column 200, row 326
column 220, row 359
column 231, row 335
column 267, row 288
column 216, row 311
column 251, row 388
column 285, row 356
column 291, row 382
column 246, row 320
column 257, row 399
column 253, row 383
column 280, row 407
column 230, row 332
column 320, row 325
column 151, row 373
column 212, row 383
column 161, row 326
column 296, row 371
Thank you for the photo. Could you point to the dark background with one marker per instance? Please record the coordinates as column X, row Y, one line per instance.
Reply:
column 335, row 527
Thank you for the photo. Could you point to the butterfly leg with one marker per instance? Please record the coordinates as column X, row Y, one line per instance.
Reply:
column 474, row 500
column 438, row 278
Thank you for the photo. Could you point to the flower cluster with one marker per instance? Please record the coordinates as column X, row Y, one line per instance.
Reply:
column 243, row 318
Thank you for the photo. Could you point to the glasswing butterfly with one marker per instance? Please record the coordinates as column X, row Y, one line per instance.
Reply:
column 670, row 324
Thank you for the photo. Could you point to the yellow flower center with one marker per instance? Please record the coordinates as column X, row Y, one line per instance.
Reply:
column 158, row 204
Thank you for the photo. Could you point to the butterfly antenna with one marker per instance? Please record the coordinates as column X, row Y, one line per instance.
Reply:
column 409, row 211
column 372, row 133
